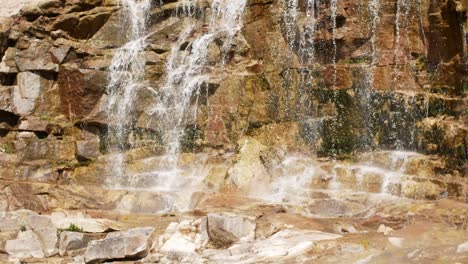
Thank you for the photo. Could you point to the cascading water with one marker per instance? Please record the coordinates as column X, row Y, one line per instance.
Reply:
column 334, row 10
column 401, row 17
column 125, row 77
column 187, row 72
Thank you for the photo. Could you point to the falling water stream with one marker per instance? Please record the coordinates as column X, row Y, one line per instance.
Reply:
column 125, row 78
column 189, row 71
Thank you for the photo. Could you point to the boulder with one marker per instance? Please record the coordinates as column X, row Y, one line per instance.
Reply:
column 87, row 149
column 179, row 246
column 225, row 229
column 249, row 168
column 130, row 244
column 26, row 245
column 36, row 57
column 37, row 237
column 72, row 243
column 29, row 89
column 182, row 241
column 8, row 64
column 386, row 230
column 462, row 248
column 290, row 243
column 417, row 189
column 85, row 223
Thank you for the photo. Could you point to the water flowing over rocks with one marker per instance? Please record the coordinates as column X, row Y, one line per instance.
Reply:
column 222, row 131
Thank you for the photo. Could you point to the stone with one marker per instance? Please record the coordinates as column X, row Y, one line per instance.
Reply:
column 249, row 169
column 46, row 232
column 421, row 190
column 384, row 230
column 462, row 248
column 80, row 90
column 26, row 245
column 87, row 224
column 81, row 27
column 133, row 244
column 87, row 149
column 33, row 124
column 71, row 242
column 290, row 242
column 36, row 57
column 179, row 246
column 183, row 241
column 8, row 64
column 40, row 149
column 396, row 241
column 225, row 229
column 25, row 95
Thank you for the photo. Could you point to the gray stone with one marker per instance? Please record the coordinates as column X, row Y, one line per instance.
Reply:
column 36, row 57
column 133, row 243
column 72, row 243
column 33, row 124
column 8, row 64
column 87, row 149
column 38, row 240
column 30, row 86
column 229, row 228
column 26, row 245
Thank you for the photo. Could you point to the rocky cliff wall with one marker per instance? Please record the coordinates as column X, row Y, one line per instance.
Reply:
column 333, row 78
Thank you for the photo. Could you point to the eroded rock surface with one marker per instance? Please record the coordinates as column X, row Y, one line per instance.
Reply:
column 295, row 153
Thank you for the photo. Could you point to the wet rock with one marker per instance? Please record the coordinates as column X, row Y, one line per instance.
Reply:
column 8, row 64
column 132, row 244
column 249, row 168
column 418, row 189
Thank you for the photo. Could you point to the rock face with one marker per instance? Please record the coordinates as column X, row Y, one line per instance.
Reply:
column 357, row 86
column 307, row 104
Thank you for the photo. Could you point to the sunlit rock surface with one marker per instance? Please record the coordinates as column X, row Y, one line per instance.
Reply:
column 239, row 131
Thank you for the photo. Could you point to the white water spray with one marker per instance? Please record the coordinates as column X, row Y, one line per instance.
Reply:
column 187, row 72
column 126, row 75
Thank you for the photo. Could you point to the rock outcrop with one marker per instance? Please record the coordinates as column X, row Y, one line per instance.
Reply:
column 335, row 109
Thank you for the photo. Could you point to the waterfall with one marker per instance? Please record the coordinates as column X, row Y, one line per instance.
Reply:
column 334, row 9
column 365, row 93
column 187, row 73
column 126, row 75
column 306, row 43
column 401, row 16
column 290, row 19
